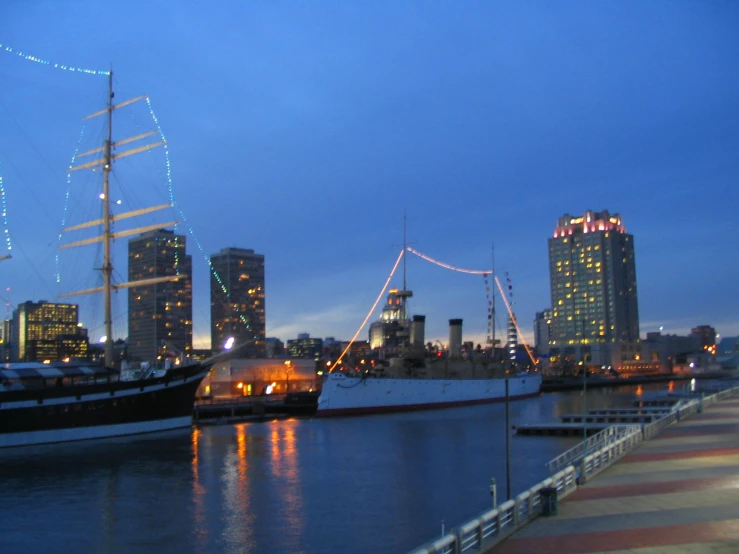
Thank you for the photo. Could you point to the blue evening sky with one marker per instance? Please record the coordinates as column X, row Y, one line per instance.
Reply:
column 305, row 130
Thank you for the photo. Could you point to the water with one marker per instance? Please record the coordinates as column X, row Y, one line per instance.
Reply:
column 381, row 483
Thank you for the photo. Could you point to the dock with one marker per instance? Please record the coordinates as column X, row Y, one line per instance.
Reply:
column 616, row 417
column 560, row 429
column 254, row 408
column 645, row 410
column 597, row 420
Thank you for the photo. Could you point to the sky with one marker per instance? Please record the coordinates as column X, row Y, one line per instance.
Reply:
column 308, row 131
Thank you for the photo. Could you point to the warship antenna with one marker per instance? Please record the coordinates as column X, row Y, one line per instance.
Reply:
column 492, row 311
column 405, row 246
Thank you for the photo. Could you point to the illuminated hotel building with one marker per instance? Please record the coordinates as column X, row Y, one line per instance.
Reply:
column 593, row 287
column 237, row 301
column 46, row 331
column 159, row 315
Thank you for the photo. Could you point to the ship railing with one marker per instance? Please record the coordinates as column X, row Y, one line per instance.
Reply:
column 600, row 440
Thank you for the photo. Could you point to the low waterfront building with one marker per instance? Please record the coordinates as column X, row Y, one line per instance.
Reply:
column 258, row 377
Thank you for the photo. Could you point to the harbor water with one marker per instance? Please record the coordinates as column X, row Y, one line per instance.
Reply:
column 381, row 483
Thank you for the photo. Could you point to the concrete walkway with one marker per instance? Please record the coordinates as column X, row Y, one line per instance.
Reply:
column 677, row 493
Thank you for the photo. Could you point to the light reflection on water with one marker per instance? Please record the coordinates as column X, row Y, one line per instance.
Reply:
column 362, row 484
column 200, row 529
column 236, row 486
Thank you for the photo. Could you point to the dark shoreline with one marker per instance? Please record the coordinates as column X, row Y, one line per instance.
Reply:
column 551, row 384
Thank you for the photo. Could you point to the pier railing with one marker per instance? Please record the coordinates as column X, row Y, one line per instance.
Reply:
column 600, row 440
column 493, row 526
column 594, row 463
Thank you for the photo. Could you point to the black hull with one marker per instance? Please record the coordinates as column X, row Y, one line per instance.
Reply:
column 118, row 406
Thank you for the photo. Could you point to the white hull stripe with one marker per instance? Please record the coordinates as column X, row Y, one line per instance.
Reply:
column 96, row 432
column 94, row 397
column 372, row 393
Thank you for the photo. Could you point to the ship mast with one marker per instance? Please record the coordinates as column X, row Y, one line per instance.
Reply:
column 107, row 236
column 107, row 265
column 492, row 310
column 404, row 294
column 405, row 248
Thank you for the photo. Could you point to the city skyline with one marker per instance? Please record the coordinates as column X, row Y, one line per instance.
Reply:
column 306, row 134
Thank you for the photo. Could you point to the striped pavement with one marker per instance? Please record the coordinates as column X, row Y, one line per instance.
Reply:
column 677, row 493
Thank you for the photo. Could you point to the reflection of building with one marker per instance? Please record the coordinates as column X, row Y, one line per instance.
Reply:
column 159, row 315
column 237, row 300
column 46, row 331
column 593, row 288
column 259, row 376
column 304, row 347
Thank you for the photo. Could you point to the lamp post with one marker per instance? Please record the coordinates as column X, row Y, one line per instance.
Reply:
column 584, row 403
column 507, row 444
column 584, row 389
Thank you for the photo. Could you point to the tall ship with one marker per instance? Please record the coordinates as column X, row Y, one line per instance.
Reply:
column 413, row 375
column 57, row 402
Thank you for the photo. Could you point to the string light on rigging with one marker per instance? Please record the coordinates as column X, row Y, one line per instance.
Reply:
column 6, row 229
column 497, row 282
column 32, row 58
column 65, row 214
column 447, row 266
column 372, row 309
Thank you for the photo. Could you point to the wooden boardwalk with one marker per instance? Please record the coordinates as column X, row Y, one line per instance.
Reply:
column 677, row 493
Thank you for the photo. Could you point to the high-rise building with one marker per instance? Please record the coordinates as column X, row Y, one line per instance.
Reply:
column 47, row 331
column 237, row 301
column 159, row 315
column 542, row 323
column 593, row 285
